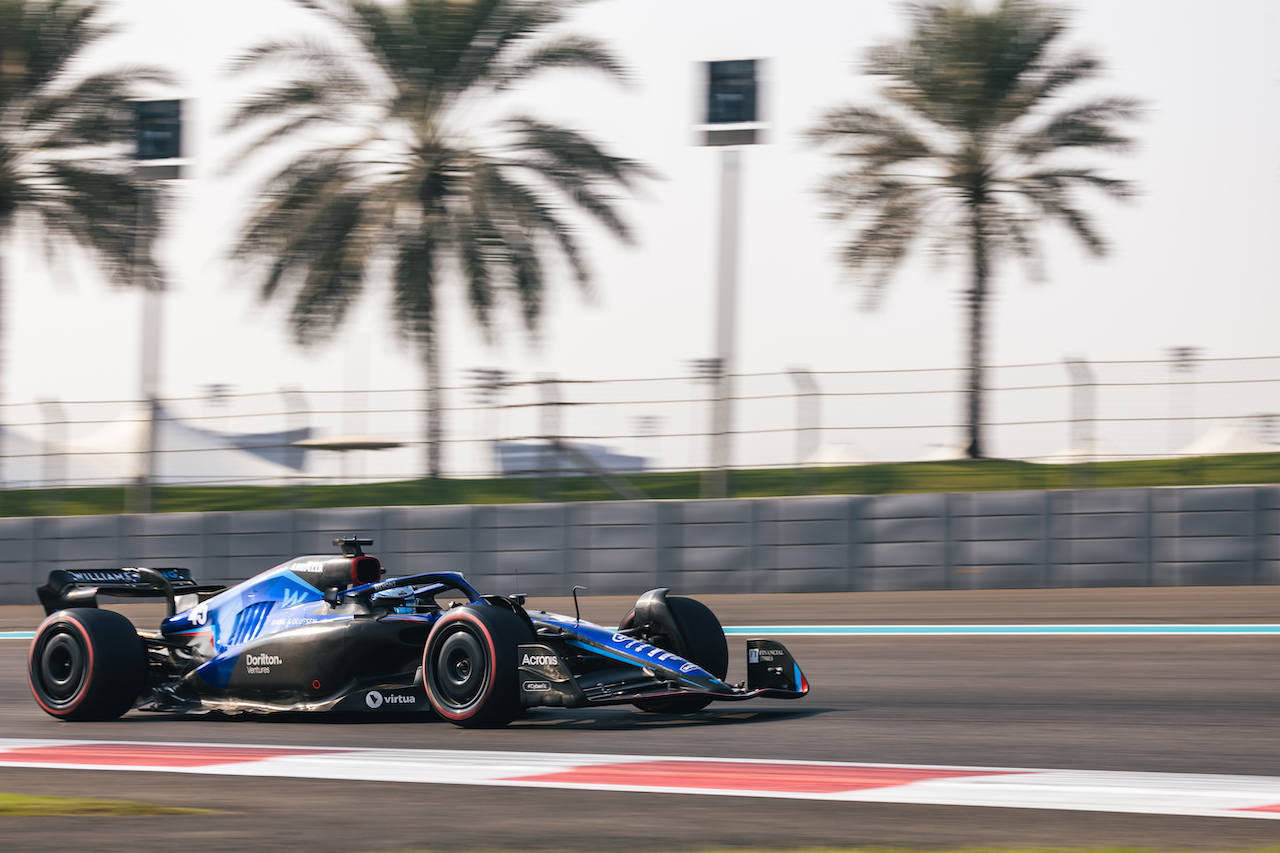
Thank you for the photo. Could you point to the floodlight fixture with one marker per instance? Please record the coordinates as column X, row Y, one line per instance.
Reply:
column 157, row 139
column 731, row 113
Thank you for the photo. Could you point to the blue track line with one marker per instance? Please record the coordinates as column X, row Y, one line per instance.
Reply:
column 951, row 630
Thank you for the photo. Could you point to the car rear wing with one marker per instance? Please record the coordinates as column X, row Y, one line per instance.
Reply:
column 69, row 588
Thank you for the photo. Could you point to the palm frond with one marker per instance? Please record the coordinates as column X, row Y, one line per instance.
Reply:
column 1044, row 83
column 980, row 83
column 877, row 248
column 338, row 237
column 979, row 89
column 64, row 163
column 536, row 217
column 572, row 150
column 495, row 28
column 61, row 105
column 104, row 212
column 320, row 231
column 874, row 137
column 1088, row 125
column 48, row 36
column 476, row 239
column 487, row 212
column 310, row 53
column 1064, row 179
column 570, row 52
column 961, row 69
column 1051, row 193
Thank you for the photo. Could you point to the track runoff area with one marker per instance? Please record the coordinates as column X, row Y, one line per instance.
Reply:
column 1002, row 787
column 1203, row 795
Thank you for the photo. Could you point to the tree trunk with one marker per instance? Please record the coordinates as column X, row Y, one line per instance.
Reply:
column 434, row 408
column 977, row 298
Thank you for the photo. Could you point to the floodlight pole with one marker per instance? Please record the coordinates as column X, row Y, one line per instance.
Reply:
column 157, row 157
column 709, row 371
column 726, row 316
column 151, row 319
column 1082, row 405
column 1182, row 360
column 550, row 455
column 55, row 443
column 296, row 402
column 808, row 426
column 808, row 413
column 732, row 121
column 488, row 382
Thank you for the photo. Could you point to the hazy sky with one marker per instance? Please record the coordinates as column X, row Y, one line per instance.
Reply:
column 1195, row 259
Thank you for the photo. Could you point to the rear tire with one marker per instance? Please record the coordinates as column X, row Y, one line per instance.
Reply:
column 87, row 664
column 469, row 665
column 704, row 644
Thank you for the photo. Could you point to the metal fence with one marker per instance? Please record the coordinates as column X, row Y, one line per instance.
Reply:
column 1054, row 412
column 994, row 540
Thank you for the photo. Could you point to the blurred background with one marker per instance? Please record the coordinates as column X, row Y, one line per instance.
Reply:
column 1068, row 421
column 1162, row 350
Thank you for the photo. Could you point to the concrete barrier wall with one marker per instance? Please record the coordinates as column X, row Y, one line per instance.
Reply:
column 1119, row 537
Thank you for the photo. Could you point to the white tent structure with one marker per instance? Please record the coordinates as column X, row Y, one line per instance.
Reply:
column 116, row 455
column 1223, row 440
column 1093, row 451
column 945, row 453
column 835, row 456
column 531, row 458
column 30, row 464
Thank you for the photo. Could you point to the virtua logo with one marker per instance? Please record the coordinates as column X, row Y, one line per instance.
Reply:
column 375, row 700
column 292, row 598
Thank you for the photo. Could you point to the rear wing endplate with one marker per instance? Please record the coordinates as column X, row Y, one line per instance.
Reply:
column 68, row 588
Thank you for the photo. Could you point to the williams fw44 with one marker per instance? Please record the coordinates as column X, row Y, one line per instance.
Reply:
column 329, row 634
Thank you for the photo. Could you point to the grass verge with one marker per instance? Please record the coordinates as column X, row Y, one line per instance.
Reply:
column 975, row 475
column 20, row 805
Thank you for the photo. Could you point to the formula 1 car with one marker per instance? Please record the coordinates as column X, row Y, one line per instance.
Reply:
column 328, row 634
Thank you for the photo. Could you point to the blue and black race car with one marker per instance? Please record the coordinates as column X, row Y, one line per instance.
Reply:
column 328, row 633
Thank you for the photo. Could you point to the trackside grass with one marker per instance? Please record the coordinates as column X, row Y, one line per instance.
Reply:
column 18, row 805
column 978, row 475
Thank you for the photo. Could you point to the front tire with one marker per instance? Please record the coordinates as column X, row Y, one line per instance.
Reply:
column 703, row 639
column 469, row 665
column 87, row 664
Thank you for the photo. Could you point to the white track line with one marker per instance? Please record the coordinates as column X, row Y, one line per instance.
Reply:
column 997, row 787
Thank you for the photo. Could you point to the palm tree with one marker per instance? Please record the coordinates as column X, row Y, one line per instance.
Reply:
column 66, row 142
column 971, row 151
column 411, row 176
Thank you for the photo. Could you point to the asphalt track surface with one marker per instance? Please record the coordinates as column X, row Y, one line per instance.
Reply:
column 1179, row 704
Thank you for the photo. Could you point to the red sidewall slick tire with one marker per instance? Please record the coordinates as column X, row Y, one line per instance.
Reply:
column 87, row 664
column 469, row 665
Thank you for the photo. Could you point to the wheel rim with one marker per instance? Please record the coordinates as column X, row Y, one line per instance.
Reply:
column 461, row 669
column 61, row 667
